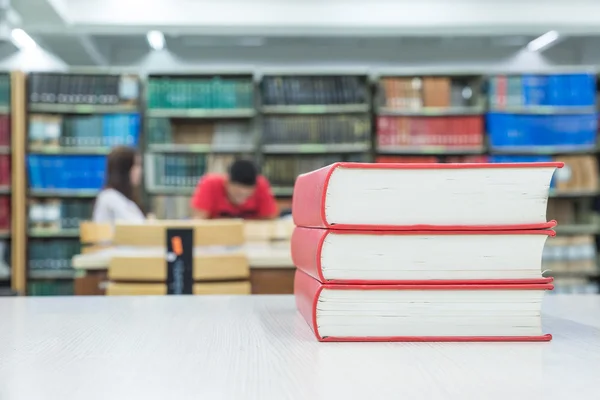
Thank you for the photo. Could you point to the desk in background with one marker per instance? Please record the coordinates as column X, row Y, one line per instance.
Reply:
column 267, row 249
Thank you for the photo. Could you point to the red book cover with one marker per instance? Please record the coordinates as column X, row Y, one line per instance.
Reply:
column 307, row 245
column 310, row 192
column 4, row 170
column 307, row 291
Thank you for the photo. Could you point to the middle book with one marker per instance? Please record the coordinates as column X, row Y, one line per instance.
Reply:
column 420, row 257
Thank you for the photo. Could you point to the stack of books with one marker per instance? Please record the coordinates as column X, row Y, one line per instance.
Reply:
column 422, row 252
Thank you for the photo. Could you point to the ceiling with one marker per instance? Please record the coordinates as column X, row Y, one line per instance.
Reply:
column 112, row 32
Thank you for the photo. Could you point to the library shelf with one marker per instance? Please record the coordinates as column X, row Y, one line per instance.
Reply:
column 76, row 193
column 578, row 229
column 67, row 150
column 430, row 150
column 51, row 233
column 201, row 113
column 199, row 148
column 544, row 150
column 174, row 191
column 310, row 148
column 61, row 108
column 5, row 150
column 316, row 109
column 53, row 274
column 574, row 194
column 282, row 190
column 432, row 111
column 545, row 110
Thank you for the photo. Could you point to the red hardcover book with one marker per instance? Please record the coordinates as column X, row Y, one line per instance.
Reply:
column 421, row 313
column 427, row 257
column 424, row 196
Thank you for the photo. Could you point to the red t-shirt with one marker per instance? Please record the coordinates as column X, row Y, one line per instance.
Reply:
column 211, row 196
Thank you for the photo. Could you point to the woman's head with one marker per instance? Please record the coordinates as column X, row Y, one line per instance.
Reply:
column 123, row 171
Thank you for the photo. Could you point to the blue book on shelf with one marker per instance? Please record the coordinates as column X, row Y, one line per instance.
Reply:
column 535, row 90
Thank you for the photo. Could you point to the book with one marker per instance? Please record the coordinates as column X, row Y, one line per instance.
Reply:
column 420, row 313
column 420, row 257
column 317, row 129
column 424, row 196
column 66, row 171
column 314, row 90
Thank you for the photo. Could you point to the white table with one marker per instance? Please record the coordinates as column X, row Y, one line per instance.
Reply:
column 258, row 347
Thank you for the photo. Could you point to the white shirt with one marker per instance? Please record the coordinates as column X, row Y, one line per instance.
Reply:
column 111, row 206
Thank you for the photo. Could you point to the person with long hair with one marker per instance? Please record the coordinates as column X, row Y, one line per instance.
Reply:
column 119, row 200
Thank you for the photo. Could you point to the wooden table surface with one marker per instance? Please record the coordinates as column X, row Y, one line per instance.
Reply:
column 258, row 347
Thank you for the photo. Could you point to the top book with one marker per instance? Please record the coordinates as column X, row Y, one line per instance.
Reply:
column 424, row 196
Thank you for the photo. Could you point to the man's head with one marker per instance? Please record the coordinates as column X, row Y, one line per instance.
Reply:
column 242, row 181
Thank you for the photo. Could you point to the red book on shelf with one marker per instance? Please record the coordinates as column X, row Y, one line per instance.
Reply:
column 421, row 313
column 385, row 196
column 4, row 170
column 425, row 257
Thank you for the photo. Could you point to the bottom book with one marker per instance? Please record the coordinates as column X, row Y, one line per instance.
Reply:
column 421, row 313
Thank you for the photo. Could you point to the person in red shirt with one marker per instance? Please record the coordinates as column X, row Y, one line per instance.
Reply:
column 242, row 193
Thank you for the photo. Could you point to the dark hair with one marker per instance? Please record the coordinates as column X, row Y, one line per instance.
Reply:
column 243, row 172
column 119, row 163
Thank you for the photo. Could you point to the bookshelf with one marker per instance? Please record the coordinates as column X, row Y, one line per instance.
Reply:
column 195, row 124
column 73, row 120
column 311, row 120
column 6, row 180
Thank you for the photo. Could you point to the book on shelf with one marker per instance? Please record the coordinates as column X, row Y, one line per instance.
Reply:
column 459, row 312
column 575, row 285
column 314, row 90
column 66, row 171
column 317, row 129
column 56, row 215
column 219, row 92
column 5, row 216
column 423, row 257
column 439, row 196
column 220, row 135
column 83, row 131
column 51, row 254
column 182, row 171
column 417, row 132
column 5, row 90
column 50, row 288
column 83, row 89
column 558, row 131
column 283, row 170
column 554, row 90
column 5, row 171
column 415, row 93
column 5, row 130
column 573, row 256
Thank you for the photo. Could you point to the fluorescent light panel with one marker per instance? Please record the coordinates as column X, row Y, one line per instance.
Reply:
column 543, row 42
column 156, row 40
column 21, row 39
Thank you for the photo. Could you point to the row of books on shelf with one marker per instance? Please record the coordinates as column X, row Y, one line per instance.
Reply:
column 430, row 131
column 5, row 171
column 327, row 129
column 84, row 130
column 184, row 170
column 582, row 285
column 413, row 93
column 542, row 130
column 4, row 90
column 542, row 90
column 83, row 89
column 50, row 288
column 314, row 90
column 66, row 172
column 51, row 254
column 570, row 255
column 56, row 215
column 206, row 93
column 5, row 270
column 5, row 130
column 214, row 134
column 4, row 213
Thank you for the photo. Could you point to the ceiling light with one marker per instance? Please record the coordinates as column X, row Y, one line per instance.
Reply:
column 156, row 40
column 543, row 42
column 21, row 39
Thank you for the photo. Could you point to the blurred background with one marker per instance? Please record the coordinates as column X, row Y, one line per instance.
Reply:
column 294, row 85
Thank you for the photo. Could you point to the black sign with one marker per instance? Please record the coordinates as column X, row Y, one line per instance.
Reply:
column 180, row 260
